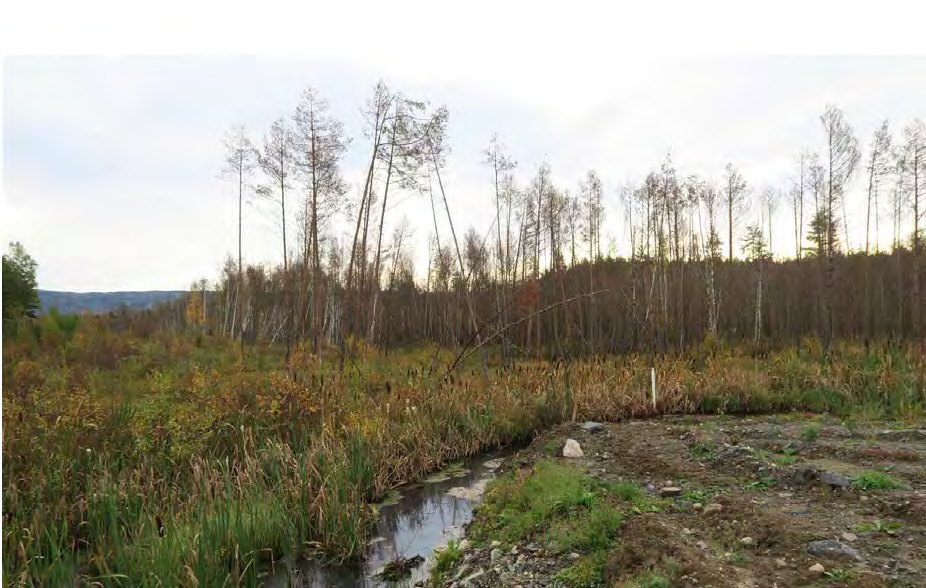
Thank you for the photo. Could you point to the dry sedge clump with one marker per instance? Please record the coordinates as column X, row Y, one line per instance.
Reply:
column 161, row 460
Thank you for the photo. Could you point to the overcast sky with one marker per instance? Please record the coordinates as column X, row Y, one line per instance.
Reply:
column 110, row 165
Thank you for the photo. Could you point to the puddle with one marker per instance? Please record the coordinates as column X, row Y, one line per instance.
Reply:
column 417, row 519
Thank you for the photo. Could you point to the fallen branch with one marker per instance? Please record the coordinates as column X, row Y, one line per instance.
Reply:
column 461, row 357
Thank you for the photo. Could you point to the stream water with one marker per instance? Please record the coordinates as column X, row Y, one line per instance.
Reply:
column 425, row 516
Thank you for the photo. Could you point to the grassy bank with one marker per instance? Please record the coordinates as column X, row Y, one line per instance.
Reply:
column 563, row 508
column 161, row 461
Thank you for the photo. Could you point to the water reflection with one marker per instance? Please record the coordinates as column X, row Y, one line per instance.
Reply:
column 425, row 518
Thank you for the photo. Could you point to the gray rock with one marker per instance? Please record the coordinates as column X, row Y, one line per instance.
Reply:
column 470, row 579
column 834, row 480
column 462, row 571
column 670, row 491
column 592, row 427
column 833, row 548
column 495, row 555
column 903, row 435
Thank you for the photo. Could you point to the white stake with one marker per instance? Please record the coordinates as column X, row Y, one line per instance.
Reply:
column 653, row 380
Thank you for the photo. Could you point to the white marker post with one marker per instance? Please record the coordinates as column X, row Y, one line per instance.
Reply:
column 653, row 380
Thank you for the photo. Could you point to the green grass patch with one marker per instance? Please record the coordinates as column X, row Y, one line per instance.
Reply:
column 703, row 451
column 879, row 526
column 444, row 561
column 562, row 508
column 762, row 484
column 587, row 572
column 810, row 433
column 523, row 505
column 649, row 579
column 876, row 481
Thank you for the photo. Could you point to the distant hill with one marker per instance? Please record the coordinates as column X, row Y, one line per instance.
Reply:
column 100, row 302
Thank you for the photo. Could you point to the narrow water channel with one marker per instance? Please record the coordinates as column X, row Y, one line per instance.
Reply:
column 425, row 516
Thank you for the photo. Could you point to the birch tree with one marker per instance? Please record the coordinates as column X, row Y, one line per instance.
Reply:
column 320, row 143
column 798, row 193
column 239, row 168
column 756, row 252
column 735, row 199
column 842, row 158
column 878, row 166
column 276, row 160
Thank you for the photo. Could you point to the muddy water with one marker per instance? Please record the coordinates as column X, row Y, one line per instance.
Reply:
column 425, row 517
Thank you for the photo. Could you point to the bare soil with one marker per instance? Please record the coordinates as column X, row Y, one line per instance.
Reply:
column 754, row 495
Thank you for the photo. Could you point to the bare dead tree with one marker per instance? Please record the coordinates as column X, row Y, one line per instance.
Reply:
column 841, row 162
column 915, row 160
column 798, row 194
column 501, row 164
column 277, row 162
column 710, row 201
column 239, row 168
column 877, row 168
column 756, row 252
column 735, row 198
column 375, row 117
column 320, row 143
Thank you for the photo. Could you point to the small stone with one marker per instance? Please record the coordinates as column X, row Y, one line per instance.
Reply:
column 572, row 449
column 687, row 531
column 863, row 498
column 712, row 508
column 781, row 562
column 495, row 544
column 833, row 548
column 748, row 541
column 574, row 556
column 817, row 568
column 461, row 571
column 495, row 555
column 697, row 506
column 670, row 491
column 701, row 545
column 785, row 494
column 849, row 536
column 473, row 577
column 514, row 550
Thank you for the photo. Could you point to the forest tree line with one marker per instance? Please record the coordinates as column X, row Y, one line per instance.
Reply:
column 541, row 279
